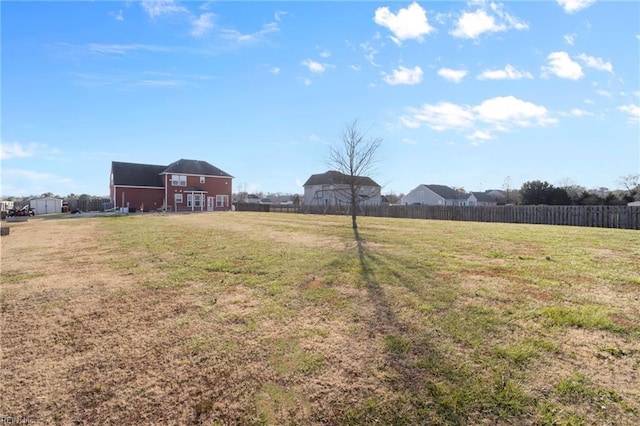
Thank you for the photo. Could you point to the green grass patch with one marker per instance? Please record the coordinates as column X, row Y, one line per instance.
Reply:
column 18, row 277
column 287, row 356
column 585, row 316
column 396, row 344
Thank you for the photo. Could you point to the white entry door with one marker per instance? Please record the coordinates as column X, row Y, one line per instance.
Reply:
column 210, row 204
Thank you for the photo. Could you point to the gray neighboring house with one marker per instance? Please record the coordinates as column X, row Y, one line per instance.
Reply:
column 481, row 199
column 331, row 189
column 252, row 199
column 497, row 194
column 434, row 195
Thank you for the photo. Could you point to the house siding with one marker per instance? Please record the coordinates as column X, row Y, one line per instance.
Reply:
column 332, row 195
column 212, row 187
column 424, row 196
column 138, row 198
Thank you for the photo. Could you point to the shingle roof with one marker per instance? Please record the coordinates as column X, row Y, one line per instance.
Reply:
column 195, row 167
column 132, row 174
column 445, row 192
column 483, row 196
column 336, row 178
column 150, row 175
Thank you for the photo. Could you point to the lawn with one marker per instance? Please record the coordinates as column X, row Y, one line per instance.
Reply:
column 264, row 318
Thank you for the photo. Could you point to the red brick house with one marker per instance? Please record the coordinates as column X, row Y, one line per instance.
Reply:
column 184, row 185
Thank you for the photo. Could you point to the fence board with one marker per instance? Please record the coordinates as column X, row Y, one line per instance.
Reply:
column 622, row 217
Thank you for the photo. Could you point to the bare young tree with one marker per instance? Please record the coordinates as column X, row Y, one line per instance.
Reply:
column 354, row 156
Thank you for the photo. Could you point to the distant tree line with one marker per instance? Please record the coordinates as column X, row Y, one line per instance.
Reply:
column 542, row 192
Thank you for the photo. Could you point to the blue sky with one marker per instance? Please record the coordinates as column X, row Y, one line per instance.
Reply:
column 462, row 94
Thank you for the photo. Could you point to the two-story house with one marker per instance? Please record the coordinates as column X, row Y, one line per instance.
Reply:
column 184, row 185
column 332, row 189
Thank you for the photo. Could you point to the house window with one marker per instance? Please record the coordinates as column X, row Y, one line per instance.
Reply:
column 178, row 198
column 194, row 200
column 178, row 180
column 202, row 179
column 222, row 200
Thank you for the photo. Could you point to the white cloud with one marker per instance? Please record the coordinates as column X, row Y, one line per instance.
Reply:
column 409, row 141
column 28, row 175
column 561, row 65
column 119, row 16
column 508, row 73
column 633, row 111
column 472, row 24
column 499, row 114
column 278, row 15
column 596, row 63
column 155, row 8
column 573, row 6
column 237, row 36
column 355, row 67
column 511, row 21
column 569, row 39
column 452, row 75
column 409, row 122
column 370, row 53
column 480, row 135
column 505, row 110
column 203, row 24
column 9, row 150
column 314, row 67
column 604, row 93
column 325, row 54
column 122, row 49
column 161, row 83
column 275, row 70
column 486, row 20
column 441, row 116
column 14, row 150
column 404, row 75
column 577, row 112
column 408, row 23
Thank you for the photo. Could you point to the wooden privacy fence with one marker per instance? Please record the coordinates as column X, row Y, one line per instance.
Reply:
column 623, row 217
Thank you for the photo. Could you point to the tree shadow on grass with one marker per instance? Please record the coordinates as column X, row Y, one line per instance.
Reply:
column 403, row 344
column 385, row 319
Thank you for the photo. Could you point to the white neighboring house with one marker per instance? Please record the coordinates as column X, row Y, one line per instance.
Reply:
column 331, row 189
column 434, row 195
column 481, row 199
column 46, row 205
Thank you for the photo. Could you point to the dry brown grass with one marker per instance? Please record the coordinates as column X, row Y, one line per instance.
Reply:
column 278, row 319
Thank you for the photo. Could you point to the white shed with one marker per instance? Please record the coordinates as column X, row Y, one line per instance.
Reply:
column 46, row 205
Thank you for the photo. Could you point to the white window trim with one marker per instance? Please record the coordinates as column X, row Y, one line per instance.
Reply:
column 220, row 200
column 178, row 180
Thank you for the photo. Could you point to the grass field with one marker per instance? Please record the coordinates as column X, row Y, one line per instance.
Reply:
column 258, row 318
